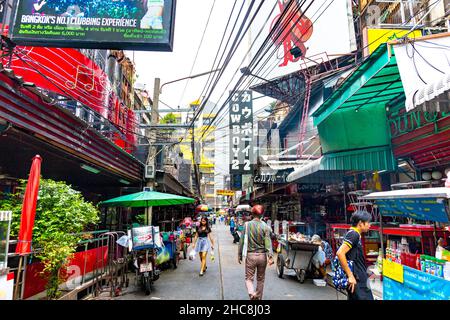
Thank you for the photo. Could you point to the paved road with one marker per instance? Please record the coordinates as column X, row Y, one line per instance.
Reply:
column 224, row 279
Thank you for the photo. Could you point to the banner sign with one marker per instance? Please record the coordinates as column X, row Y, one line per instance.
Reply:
column 417, row 285
column 225, row 192
column 276, row 177
column 100, row 24
column 427, row 209
column 393, row 270
column 310, row 187
column 241, row 133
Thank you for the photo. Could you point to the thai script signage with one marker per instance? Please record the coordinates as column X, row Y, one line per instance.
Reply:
column 276, row 177
column 225, row 192
column 426, row 209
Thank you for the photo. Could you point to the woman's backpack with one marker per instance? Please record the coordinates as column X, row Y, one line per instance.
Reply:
column 340, row 280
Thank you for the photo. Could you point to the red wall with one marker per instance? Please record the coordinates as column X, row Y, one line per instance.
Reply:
column 34, row 283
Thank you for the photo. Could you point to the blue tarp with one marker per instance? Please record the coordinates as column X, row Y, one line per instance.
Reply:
column 426, row 209
column 417, row 285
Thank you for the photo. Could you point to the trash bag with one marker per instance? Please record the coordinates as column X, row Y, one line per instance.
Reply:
column 319, row 258
column 123, row 241
column 163, row 256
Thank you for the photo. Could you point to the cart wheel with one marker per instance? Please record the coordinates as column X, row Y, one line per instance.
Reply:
column 301, row 275
column 147, row 286
column 280, row 266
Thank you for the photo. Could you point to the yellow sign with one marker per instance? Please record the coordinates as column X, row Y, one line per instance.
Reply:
column 393, row 270
column 225, row 193
column 375, row 37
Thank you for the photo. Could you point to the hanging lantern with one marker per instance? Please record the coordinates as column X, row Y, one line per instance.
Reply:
column 426, row 176
column 436, row 175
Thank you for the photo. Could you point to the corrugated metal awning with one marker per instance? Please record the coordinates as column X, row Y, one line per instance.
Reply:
column 332, row 166
column 377, row 81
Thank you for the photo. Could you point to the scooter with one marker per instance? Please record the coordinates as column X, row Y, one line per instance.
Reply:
column 147, row 271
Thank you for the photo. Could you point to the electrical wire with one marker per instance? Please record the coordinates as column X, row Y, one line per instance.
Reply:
column 198, row 50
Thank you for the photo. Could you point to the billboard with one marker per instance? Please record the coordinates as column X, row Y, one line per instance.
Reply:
column 99, row 24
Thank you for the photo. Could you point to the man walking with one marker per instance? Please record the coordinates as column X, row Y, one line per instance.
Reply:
column 352, row 250
column 256, row 247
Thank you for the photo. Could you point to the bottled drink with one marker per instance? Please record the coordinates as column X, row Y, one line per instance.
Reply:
column 380, row 261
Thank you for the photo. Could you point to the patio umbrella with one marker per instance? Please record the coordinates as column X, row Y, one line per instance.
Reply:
column 147, row 199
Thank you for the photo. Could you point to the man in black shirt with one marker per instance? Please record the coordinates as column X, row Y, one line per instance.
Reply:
column 352, row 250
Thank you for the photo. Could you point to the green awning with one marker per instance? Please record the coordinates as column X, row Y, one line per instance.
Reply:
column 376, row 82
column 370, row 159
column 335, row 164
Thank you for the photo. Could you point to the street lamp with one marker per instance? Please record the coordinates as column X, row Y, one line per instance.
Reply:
column 190, row 77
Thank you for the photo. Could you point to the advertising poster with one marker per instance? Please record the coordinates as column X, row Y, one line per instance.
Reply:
column 416, row 285
column 125, row 24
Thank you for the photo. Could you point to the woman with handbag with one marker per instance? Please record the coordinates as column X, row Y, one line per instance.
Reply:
column 203, row 241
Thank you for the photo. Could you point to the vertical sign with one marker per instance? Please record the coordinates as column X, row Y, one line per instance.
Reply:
column 241, row 133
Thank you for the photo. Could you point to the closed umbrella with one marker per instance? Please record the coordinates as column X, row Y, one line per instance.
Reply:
column 27, row 218
column 29, row 208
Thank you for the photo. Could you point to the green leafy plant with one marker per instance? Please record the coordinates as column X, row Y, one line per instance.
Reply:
column 61, row 215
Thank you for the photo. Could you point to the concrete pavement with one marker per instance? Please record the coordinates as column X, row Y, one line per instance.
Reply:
column 224, row 279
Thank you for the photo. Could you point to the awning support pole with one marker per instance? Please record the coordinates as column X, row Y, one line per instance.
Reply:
column 381, row 235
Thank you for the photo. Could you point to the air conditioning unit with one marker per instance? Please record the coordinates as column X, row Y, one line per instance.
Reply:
column 150, row 171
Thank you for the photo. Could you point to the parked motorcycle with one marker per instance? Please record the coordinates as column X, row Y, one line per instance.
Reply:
column 147, row 270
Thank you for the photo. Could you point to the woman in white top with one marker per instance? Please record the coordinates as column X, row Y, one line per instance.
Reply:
column 153, row 18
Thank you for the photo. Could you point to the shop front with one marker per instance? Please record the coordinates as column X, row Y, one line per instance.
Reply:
column 414, row 260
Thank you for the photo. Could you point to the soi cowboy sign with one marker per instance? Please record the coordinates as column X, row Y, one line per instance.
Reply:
column 100, row 24
column 241, row 133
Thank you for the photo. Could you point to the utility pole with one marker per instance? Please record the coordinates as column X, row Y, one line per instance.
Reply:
column 151, row 160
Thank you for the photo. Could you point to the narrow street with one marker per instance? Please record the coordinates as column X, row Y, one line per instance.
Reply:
column 224, row 279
